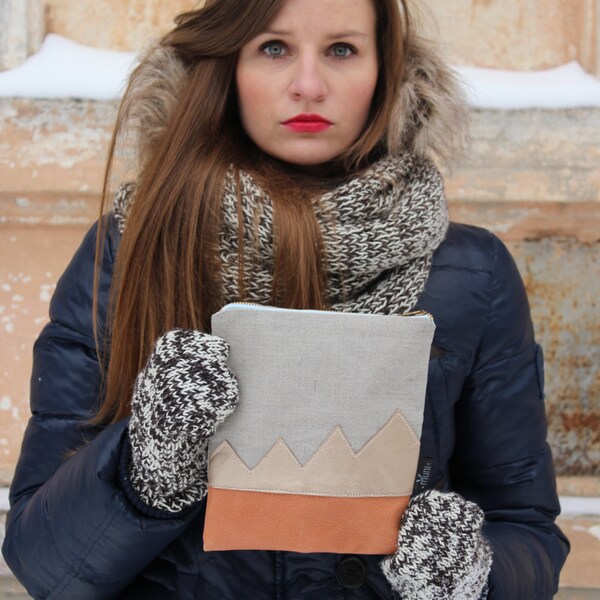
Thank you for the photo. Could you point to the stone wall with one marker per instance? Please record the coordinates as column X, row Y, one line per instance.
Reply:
column 528, row 34
column 521, row 35
column 530, row 176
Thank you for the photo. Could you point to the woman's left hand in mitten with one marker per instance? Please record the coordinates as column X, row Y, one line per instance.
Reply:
column 442, row 554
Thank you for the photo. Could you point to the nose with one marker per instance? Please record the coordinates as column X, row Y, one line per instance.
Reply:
column 308, row 81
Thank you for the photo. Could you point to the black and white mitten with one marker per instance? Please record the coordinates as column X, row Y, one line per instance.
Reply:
column 184, row 392
column 441, row 554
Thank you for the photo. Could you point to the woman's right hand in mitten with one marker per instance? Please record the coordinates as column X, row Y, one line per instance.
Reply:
column 185, row 391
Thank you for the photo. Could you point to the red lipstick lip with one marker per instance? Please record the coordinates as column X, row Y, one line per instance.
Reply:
column 304, row 118
column 310, row 124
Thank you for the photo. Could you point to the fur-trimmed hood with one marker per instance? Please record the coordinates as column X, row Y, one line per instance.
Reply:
column 430, row 116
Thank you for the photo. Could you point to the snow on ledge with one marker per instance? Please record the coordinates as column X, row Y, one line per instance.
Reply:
column 568, row 86
column 579, row 505
column 65, row 69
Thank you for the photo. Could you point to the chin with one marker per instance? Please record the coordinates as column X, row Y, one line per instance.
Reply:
column 306, row 158
column 304, row 153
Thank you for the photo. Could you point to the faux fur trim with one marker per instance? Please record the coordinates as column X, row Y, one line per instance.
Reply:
column 431, row 113
column 430, row 117
column 150, row 99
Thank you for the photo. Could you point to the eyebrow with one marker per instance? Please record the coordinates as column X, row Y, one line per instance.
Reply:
column 341, row 34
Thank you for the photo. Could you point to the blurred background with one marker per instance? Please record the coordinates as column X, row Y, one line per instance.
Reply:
column 531, row 175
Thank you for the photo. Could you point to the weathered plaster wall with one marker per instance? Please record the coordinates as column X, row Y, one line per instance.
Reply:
column 563, row 282
column 113, row 24
column 522, row 35
column 531, row 176
column 51, row 160
column 53, row 148
column 31, row 260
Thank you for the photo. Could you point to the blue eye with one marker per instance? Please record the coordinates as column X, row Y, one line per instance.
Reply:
column 273, row 49
column 342, row 51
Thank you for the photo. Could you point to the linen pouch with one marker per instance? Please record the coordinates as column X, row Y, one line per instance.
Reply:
column 321, row 452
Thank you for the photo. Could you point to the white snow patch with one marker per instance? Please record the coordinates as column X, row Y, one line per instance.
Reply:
column 6, row 287
column 5, row 403
column 567, row 86
column 45, row 292
column 579, row 505
column 4, row 505
column 10, row 327
column 65, row 69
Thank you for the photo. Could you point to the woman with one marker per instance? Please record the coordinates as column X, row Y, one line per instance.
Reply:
column 283, row 159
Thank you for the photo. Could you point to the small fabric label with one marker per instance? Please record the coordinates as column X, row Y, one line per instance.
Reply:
column 424, row 473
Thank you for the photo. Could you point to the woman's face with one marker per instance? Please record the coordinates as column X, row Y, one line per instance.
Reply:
column 305, row 84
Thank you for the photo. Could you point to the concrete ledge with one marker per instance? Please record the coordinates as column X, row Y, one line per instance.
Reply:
column 581, row 568
column 516, row 221
column 577, row 594
column 54, row 146
column 528, row 174
column 524, row 155
column 579, row 486
column 511, row 220
column 42, row 209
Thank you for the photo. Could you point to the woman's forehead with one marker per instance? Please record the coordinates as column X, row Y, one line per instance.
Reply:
column 335, row 17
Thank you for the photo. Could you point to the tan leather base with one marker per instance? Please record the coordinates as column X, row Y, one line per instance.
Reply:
column 248, row 520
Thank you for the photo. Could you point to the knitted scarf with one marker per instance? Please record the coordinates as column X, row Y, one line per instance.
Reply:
column 380, row 230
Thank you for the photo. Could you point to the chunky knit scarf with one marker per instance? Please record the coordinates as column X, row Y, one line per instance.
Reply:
column 380, row 230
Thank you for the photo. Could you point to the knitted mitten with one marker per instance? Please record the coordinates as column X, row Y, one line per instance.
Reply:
column 441, row 554
column 185, row 391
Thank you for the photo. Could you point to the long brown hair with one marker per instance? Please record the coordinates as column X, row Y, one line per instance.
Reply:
column 167, row 270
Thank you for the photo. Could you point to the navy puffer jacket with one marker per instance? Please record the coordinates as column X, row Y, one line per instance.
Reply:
column 73, row 533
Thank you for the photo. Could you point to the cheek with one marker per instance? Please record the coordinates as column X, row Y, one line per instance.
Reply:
column 248, row 96
column 358, row 99
column 253, row 100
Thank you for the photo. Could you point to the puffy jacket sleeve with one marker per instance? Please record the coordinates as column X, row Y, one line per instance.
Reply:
column 71, row 532
column 501, row 459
